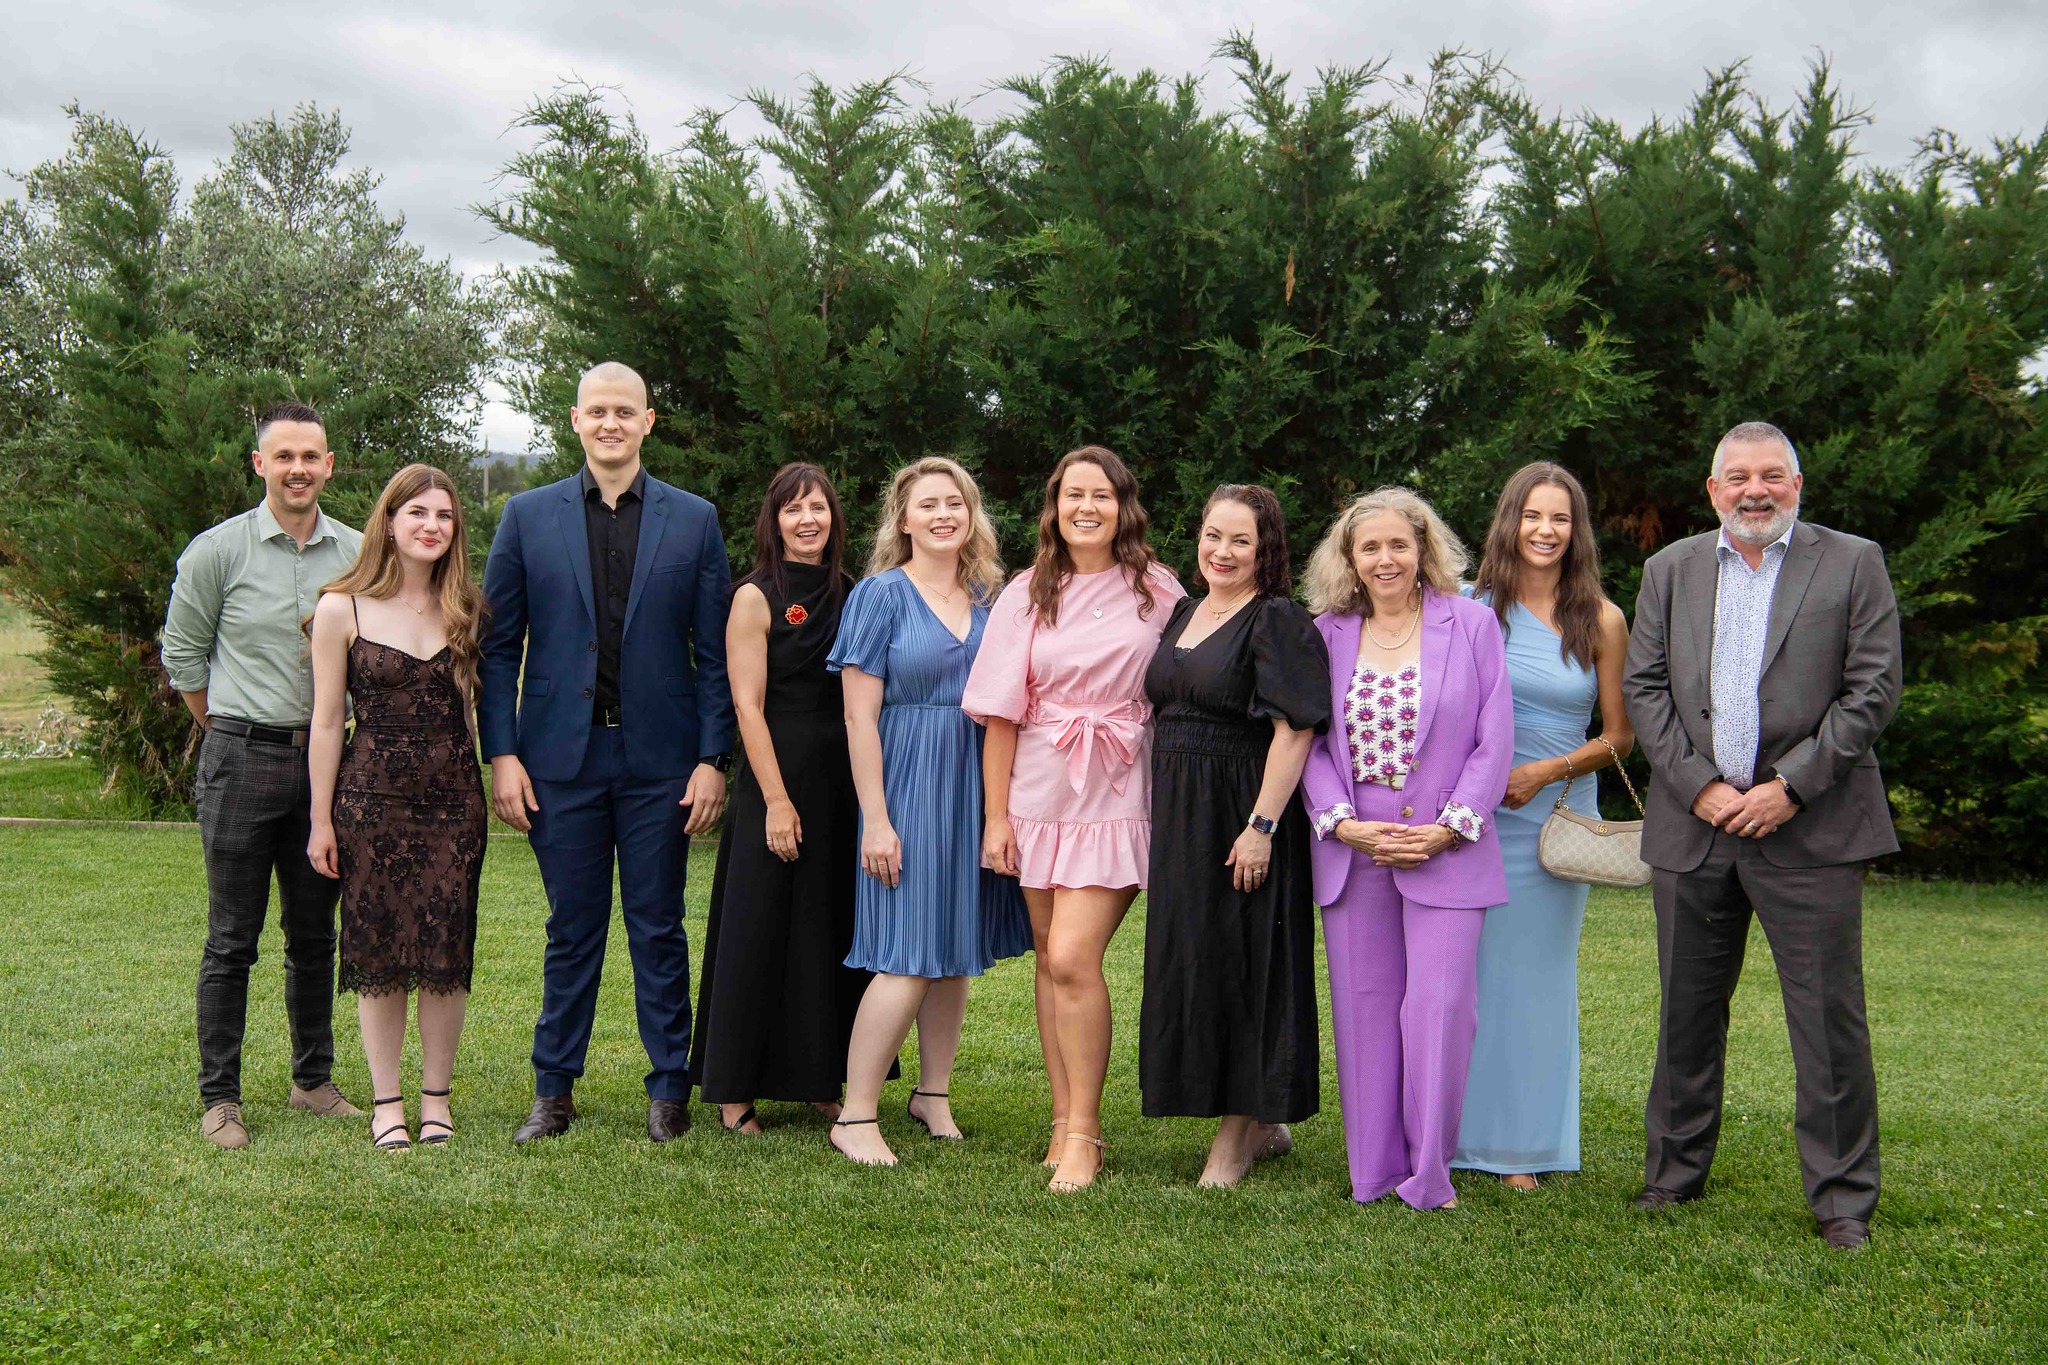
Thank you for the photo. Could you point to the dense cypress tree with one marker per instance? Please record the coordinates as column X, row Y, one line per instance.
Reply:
column 174, row 325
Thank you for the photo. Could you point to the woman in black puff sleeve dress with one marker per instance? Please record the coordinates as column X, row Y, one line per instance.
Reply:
column 1239, row 687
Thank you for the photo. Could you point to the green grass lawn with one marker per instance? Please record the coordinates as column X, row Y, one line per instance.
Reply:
column 23, row 691
column 122, row 1235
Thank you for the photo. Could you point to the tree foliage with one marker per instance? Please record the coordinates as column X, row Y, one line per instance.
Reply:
column 1372, row 279
column 140, row 336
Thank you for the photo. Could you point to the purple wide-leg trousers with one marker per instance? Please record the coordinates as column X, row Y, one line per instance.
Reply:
column 1404, row 1003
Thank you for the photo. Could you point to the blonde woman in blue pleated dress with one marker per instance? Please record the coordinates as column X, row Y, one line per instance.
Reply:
column 927, row 916
column 1565, row 640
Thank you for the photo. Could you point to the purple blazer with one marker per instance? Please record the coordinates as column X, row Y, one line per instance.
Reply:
column 1464, row 748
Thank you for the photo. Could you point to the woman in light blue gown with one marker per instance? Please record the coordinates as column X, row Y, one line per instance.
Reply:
column 1565, row 642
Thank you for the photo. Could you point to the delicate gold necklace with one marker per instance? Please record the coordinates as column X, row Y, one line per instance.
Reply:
column 1219, row 615
column 946, row 597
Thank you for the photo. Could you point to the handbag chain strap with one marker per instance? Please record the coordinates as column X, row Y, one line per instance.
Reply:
column 1619, row 771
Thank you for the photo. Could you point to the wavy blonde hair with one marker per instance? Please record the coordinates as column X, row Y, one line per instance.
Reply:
column 376, row 574
column 1331, row 583
column 981, row 569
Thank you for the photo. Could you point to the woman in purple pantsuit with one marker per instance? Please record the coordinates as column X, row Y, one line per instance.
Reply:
column 1405, row 860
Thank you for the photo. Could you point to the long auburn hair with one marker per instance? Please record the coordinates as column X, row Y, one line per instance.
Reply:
column 1579, row 596
column 1270, row 574
column 1054, row 563
column 377, row 573
column 981, row 567
column 791, row 482
column 1330, row 582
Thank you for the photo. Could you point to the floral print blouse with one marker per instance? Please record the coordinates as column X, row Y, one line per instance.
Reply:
column 1381, row 710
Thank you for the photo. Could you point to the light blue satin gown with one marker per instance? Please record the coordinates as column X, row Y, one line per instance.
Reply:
column 1522, row 1094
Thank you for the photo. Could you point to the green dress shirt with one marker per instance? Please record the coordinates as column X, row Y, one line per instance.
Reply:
column 235, row 629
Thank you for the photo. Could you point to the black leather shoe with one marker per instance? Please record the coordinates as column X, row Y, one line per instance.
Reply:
column 1845, row 1234
column 667, row 1119
column 550, row 1118
column 1655, row 1197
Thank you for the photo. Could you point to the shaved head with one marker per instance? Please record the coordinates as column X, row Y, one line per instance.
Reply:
column 611, row 372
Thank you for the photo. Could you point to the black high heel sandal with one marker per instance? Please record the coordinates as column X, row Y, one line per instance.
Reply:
column 404, row 1143
column 439, row 1139
column 855, row 1123
column 919, row 1119
column 739, row 1124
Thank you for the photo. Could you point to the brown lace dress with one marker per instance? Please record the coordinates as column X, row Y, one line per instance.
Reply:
column 410, row 823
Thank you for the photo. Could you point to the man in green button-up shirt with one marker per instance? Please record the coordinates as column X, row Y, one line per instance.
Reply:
column 234, row 647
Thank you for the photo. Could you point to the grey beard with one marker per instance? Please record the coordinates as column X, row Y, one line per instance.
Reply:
column 1777, row 526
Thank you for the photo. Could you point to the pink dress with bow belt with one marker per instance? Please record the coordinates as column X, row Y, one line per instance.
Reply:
column 1081, row 787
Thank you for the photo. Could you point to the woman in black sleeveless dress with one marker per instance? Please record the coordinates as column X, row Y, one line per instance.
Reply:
column 399, row 814
column 776, row 1005
column 1239, row 687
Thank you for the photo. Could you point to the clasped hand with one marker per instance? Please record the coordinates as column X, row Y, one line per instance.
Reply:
column 1394, row 845
column 1746, row 815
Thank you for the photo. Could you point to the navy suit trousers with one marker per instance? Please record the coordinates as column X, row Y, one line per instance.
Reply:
column 604, row 813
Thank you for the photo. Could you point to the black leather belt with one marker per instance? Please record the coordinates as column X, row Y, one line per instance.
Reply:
column 258, row 734
column 607, row 716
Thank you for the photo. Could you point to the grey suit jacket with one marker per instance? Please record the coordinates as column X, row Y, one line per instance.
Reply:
column 1830, row 684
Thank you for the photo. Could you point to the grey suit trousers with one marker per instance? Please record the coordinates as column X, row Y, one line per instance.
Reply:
column 255, row 815
column 1813, row 919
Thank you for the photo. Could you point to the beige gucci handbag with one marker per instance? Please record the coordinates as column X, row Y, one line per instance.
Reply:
column 1582, row 848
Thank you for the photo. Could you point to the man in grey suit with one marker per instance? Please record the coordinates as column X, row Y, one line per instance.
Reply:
column 1763, row 666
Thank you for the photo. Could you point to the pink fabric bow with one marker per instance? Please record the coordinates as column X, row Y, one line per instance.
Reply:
column 1117, row 728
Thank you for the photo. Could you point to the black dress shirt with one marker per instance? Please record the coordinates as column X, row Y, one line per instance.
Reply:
column 614, row 544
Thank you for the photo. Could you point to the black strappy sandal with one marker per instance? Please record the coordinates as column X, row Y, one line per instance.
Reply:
column 857, row 1123
column 739, row 1124
column 404, row 1143
column 919, row 1119
column 439, row 1139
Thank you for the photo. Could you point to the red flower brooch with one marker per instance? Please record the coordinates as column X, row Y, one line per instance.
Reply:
column 796, row 615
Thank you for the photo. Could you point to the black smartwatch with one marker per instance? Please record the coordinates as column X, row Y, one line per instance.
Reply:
column 722, row 762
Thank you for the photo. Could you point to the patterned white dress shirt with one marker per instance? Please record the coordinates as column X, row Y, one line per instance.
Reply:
column 1742, row 622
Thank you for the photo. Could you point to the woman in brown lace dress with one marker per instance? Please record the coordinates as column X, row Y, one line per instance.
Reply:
column 399, row 814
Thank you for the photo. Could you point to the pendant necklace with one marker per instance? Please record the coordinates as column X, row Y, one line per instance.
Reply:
column 1406, row 635
column 1219, row 615
column 946, row 597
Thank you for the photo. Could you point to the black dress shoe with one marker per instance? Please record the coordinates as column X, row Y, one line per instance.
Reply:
column 549, row 1118
column 1655, row 1197
column 1845, row 1234
column 667, row 1119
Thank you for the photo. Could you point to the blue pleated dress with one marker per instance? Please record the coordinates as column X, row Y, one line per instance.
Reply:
column 1522, row 1093
column 947, row 915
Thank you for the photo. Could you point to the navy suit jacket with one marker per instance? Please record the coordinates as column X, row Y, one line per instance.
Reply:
column 675, row 705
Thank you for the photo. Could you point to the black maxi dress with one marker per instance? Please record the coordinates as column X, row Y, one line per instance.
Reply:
column 776, row 1004
column 1228, row 1024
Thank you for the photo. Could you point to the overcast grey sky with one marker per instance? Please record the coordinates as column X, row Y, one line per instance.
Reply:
column 430, row 87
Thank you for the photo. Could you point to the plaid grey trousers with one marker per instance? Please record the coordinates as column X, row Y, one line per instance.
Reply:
column 255, row 816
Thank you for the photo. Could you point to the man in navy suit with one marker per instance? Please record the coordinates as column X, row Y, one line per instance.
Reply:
column 611, row 587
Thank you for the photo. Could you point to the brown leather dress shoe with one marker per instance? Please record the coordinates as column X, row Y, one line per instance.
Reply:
column 223, row 1127
column 1845, row 1234
column 550, row 1117
column 1655, row 1197
column 326, row 1100
column 667, row 1120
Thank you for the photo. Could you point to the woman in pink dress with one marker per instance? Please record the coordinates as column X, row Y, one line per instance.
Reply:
column 1060, row 684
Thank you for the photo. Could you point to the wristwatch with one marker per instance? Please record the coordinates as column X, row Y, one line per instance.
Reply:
column 1261, row 823
column 1791, row 794
column 722, row 762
